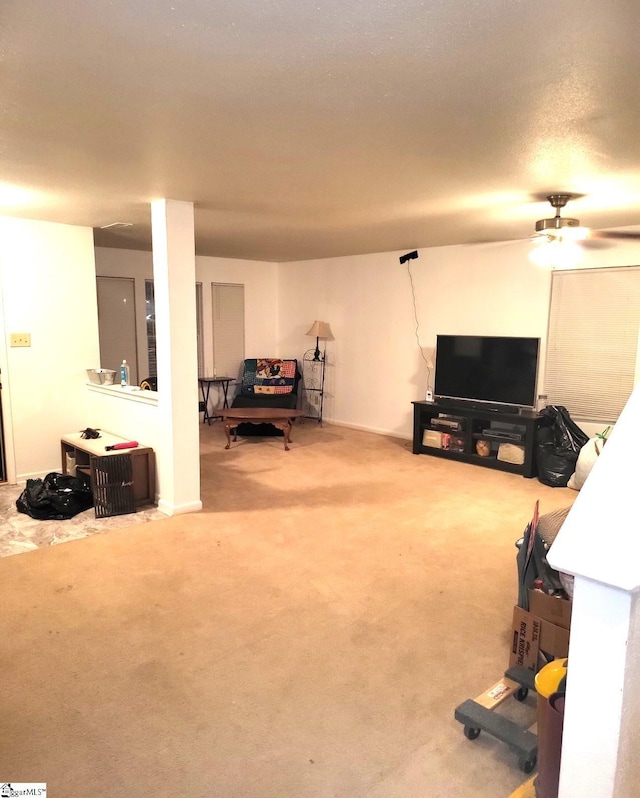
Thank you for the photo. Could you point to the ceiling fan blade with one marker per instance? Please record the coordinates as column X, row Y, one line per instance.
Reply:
column 596, row 243
column 621, row 234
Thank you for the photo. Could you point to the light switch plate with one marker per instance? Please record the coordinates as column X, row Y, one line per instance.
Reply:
column 20, row 339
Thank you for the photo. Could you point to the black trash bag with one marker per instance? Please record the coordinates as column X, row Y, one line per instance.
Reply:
column 55, row 498
column 565, row 433
column 559, row 440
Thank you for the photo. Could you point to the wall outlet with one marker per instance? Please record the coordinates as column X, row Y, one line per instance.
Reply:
column 20, row 339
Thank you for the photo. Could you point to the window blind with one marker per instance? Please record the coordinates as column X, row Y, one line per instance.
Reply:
column 199, row 329
column 150, row 306
column 228, row 328
column 592, row 340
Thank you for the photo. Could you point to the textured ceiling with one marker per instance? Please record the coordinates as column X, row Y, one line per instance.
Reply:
column 308, row 129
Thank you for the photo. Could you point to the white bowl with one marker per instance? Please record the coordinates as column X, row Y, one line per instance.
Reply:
column 101, row 376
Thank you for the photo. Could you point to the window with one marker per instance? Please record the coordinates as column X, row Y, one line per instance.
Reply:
column 592, row 342
column 151, row 328
column 228, row 328
column 150, row 305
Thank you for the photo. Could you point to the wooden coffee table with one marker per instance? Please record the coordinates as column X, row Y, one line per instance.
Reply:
column 280, row 417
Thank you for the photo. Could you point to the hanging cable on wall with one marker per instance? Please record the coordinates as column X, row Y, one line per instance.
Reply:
column 407, row 259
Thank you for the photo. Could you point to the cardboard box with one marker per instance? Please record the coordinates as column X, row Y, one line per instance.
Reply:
column 431, row 437
column 525, row 642
column 550, row 608
column 532, row 634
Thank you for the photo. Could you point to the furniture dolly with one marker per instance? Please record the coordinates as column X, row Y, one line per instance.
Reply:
column 477, row 714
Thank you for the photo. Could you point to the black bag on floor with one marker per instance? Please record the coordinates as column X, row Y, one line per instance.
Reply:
column 559, row 440
column 55, row 498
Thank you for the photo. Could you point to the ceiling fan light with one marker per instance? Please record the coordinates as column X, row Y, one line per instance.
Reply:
column 576, row 233
column 556, row 254
column 565, row 234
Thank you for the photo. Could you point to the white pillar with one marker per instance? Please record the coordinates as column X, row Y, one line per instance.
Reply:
column 600, row 544
column 174, row 276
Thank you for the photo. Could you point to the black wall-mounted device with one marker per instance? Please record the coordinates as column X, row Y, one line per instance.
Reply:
column 408, row 256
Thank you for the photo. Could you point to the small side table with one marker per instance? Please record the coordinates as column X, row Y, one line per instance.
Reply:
column 205, row 387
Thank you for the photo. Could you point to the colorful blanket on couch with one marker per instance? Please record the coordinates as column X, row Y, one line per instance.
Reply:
column 267, row 375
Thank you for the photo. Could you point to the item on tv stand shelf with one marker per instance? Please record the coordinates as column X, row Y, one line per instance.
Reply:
column 432, row 438
column 509, row 435
column 483, row 448
column 511, row 453
column 447, row 422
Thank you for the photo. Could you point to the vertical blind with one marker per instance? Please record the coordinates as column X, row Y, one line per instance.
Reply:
column 228, row 328
column 592, row 342
column 199, row 329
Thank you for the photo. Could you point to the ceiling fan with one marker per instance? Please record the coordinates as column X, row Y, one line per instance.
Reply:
column 558, row 238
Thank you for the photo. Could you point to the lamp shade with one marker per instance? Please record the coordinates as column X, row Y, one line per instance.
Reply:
column 320, row 329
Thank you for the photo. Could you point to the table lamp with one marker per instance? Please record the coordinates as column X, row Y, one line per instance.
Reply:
column 320, row 329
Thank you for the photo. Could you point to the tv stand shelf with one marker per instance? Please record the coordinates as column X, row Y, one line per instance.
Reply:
column 454, row 430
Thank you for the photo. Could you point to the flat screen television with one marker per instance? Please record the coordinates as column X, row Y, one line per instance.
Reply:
column 487, row 369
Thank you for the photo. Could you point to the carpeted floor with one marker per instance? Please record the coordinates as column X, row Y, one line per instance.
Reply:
column 307, row 636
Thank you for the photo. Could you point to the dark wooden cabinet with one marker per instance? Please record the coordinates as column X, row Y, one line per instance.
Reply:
column 77, row 453
column 486, row 437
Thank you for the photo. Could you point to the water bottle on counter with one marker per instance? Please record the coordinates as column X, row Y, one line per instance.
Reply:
column 124, row 374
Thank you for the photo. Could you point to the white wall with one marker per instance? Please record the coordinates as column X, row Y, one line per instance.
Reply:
column 47, row 273
column 260, row 280
column 374, row 367
column 130, row 416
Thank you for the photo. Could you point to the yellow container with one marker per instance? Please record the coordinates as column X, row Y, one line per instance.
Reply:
column 550, row 678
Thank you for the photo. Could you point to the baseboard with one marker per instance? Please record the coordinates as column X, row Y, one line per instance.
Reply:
column 21, row 479
column 180, row 509
column 376, row 431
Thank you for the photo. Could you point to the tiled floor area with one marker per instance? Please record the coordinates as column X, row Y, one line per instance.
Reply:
column 20, row 532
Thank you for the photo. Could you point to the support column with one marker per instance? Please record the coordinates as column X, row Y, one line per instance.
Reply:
column 599, row 544
column 174, row 276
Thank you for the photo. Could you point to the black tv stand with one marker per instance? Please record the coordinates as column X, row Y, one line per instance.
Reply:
column 473, row 432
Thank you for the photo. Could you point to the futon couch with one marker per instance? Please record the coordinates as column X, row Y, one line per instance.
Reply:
column 267, row 382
